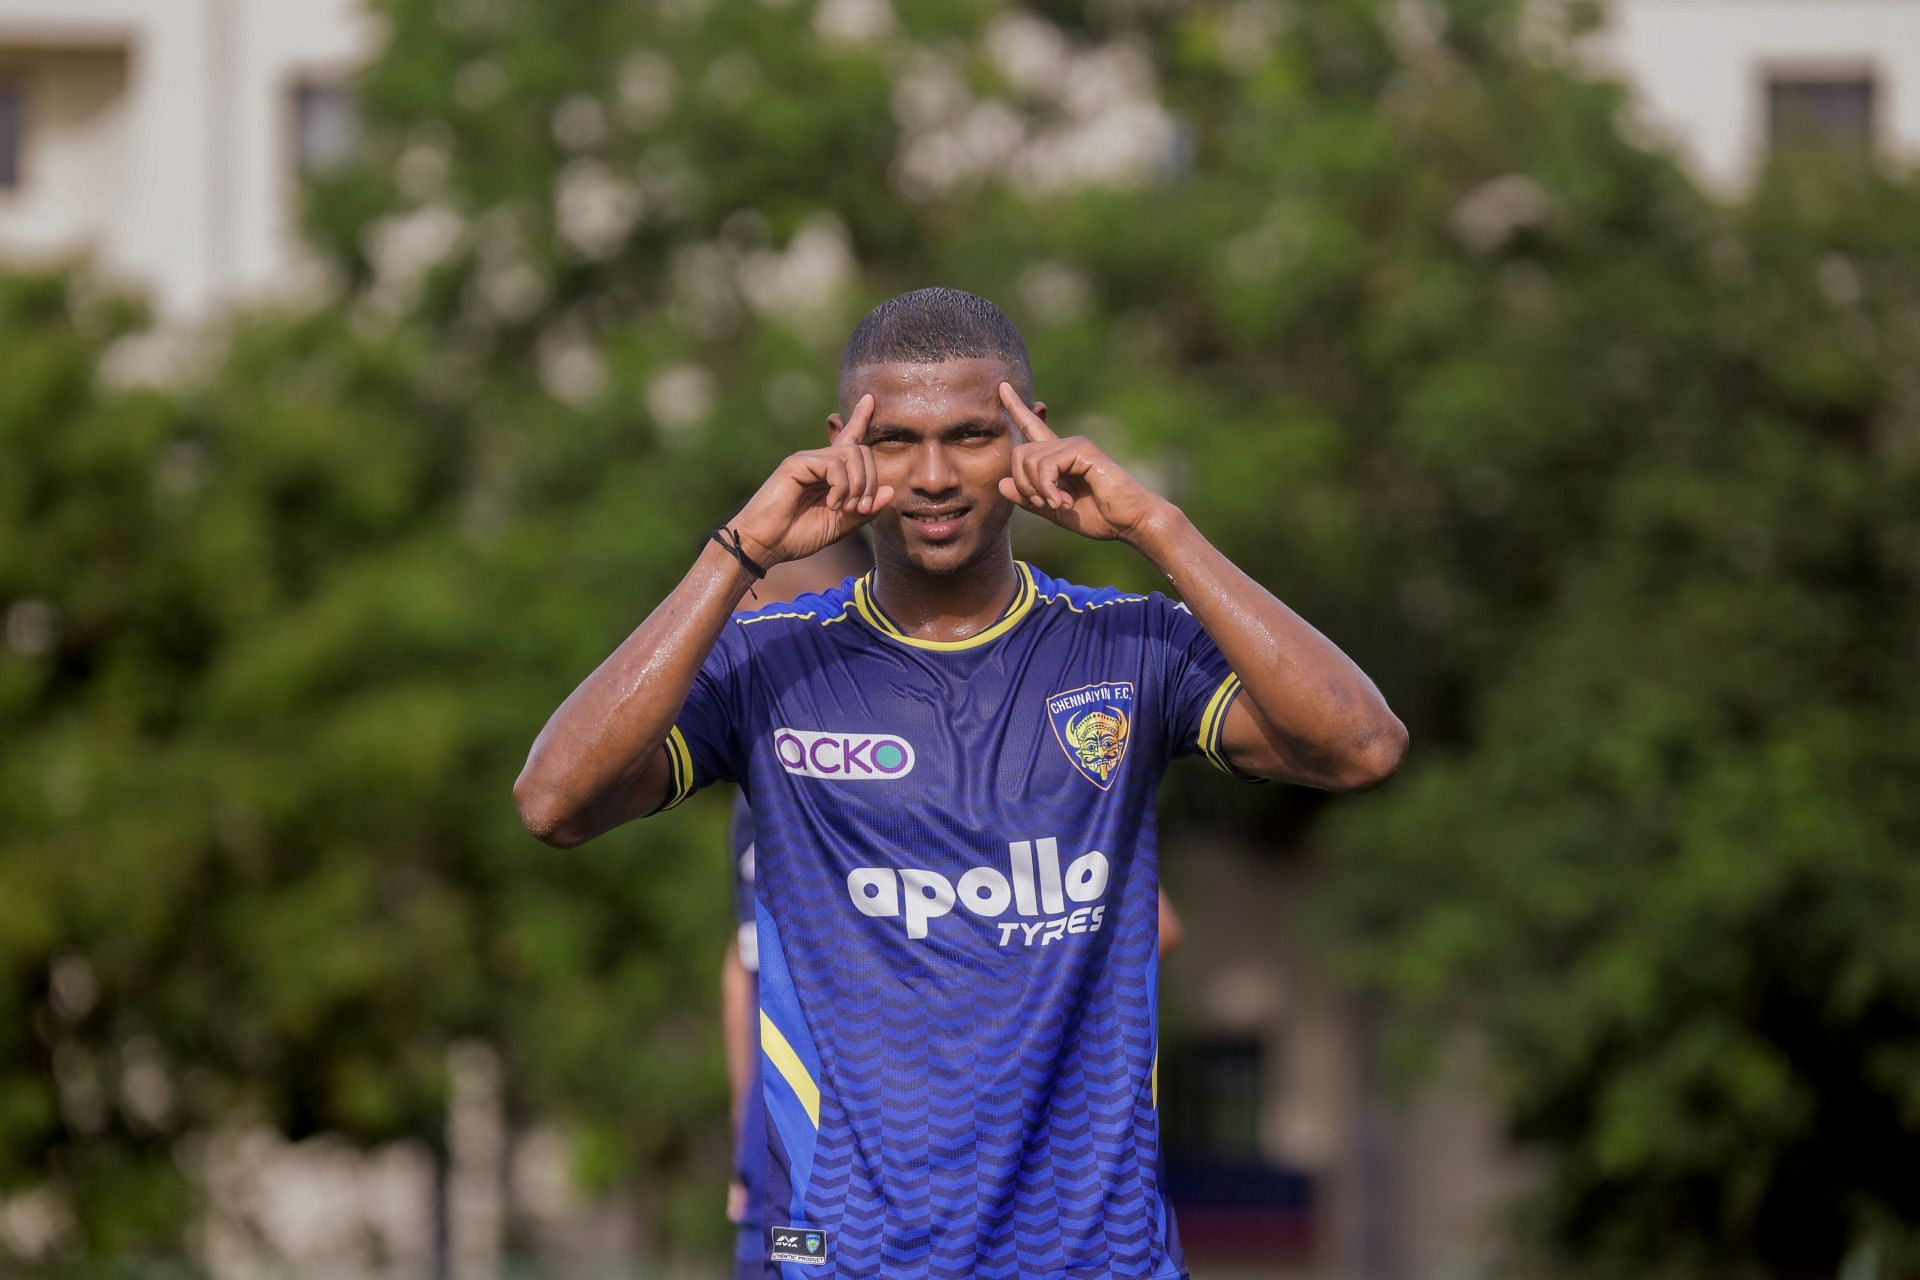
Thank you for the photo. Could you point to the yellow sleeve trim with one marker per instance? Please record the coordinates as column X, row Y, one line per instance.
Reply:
column 791, row 1069
column 1214, row 719
column 680, row 758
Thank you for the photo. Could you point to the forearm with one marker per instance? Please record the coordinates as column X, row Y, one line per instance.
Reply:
column 581, row 776
column 1320, row 720
column 736, row 1031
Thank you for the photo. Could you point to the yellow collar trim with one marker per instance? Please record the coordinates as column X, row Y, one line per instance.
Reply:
column 1024, row 596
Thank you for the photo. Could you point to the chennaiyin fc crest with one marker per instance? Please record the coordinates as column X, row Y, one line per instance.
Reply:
column 1092, row 724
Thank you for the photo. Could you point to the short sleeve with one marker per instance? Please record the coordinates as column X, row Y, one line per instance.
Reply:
column 703, row 745
column 1201, row 687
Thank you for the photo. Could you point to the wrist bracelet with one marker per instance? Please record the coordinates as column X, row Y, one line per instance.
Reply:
column 730, row 540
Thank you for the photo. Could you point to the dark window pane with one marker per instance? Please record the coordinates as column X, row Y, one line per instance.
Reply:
column 1834, row 112
column 12, row 134
column 1210, row 1105
column 326, row 127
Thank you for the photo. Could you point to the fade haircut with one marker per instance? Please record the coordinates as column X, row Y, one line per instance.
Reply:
column 928, row 326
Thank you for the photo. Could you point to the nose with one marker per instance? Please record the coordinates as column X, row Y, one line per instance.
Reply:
column 933, row 471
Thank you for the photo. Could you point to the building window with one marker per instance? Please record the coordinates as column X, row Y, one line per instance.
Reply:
column 1832, row 111
column 1211, row 1110
column 326, row 127
column 1235, row 1204
column 13, row 130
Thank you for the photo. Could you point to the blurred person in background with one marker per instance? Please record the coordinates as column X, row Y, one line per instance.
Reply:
column 740, row 969
column 963, row 1058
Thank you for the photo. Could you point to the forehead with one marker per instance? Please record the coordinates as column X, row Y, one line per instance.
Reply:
column 930, row 393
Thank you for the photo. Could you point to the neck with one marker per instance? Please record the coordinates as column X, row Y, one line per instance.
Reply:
column 947, row 606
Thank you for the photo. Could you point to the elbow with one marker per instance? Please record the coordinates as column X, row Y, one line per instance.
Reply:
column 1376, row 756
column 544, row 816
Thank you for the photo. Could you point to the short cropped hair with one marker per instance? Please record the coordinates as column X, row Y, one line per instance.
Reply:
column 928, row 326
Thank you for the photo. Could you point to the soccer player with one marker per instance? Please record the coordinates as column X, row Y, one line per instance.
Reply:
column 952, row 762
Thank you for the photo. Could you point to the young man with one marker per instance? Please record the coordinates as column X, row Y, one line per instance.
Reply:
column 952, row 763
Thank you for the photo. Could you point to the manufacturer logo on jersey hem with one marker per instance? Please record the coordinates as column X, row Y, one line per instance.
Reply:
column 1093, row 724
column 843, row 757
column 797, row 1244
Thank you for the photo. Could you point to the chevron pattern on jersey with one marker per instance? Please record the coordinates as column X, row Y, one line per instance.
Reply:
column 962, row 975
column 961, row 1140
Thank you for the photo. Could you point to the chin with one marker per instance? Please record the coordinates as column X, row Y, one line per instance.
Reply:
column 939, row 560
column 935, row 561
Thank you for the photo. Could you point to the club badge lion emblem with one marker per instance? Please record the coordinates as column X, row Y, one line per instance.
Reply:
column 1093, row 724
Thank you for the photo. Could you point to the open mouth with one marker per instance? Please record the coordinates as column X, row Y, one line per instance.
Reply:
column 936, row 524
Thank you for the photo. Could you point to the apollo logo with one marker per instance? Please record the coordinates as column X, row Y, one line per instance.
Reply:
column 1034, row 886
column 843, row 757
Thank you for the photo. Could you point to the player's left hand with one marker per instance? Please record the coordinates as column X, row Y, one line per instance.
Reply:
column 1072, row 481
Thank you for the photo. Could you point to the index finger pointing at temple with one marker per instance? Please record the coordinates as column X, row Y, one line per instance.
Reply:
column 1032, row 424
column 855, row 432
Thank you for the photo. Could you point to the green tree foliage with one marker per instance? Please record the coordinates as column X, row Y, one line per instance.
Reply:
column 1668, row 866
column 1609, row 484
column 271, row 673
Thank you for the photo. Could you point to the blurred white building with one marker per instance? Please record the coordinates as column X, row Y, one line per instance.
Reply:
column 163, row 139
column 1723, row 81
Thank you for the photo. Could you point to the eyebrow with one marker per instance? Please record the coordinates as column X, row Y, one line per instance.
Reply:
column 898, row 430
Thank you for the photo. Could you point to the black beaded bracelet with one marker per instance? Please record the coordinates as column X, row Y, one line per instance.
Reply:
column 730, row 540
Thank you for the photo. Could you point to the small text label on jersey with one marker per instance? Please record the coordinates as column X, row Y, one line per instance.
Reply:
column 1035, row 886
column 797, row 1244
column 843, row 757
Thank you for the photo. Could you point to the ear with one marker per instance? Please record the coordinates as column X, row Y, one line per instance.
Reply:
column 1039, row 408
column 834, row 424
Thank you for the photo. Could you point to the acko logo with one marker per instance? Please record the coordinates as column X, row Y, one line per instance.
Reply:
column 843, row 757
column 1034, row 887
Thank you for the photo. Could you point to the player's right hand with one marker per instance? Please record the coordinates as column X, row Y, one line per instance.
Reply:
column 736, row 1202
column 816, row 497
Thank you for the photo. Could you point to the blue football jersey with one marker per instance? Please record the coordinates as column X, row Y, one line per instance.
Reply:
column 957, row 900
